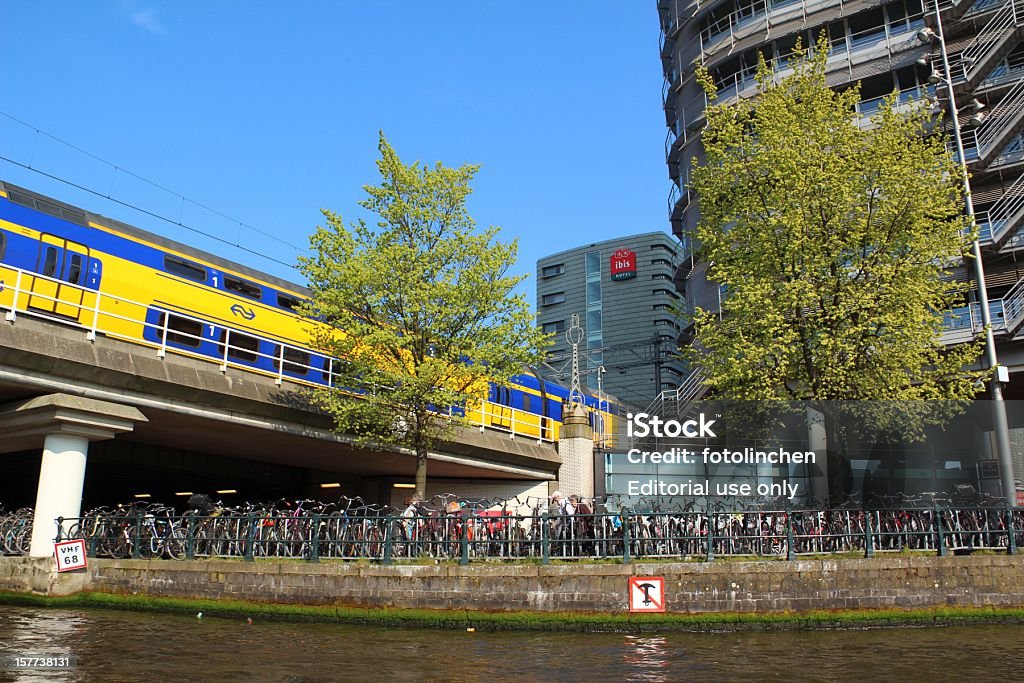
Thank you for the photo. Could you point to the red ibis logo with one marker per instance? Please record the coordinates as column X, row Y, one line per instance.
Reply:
column 623, row 264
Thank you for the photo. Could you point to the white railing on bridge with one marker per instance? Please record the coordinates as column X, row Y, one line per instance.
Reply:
column 99, row 312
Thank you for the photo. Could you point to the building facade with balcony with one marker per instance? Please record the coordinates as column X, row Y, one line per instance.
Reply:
column 886, row 46
column 623, row 292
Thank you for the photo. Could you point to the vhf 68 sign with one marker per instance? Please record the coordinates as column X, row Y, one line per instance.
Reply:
column 70, row 555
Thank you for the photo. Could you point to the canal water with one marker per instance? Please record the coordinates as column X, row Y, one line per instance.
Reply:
column 111, row 646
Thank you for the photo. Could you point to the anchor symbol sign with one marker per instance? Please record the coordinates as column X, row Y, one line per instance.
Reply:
column 647, row 594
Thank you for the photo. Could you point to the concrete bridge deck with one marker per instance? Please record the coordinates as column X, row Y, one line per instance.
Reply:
column 191, row 405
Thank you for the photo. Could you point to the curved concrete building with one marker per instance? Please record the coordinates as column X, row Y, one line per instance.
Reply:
column 886, row 46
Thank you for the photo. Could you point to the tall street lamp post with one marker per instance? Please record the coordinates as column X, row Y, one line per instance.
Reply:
column 1000, row 423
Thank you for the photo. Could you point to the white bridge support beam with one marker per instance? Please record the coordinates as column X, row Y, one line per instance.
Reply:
column 63, row 425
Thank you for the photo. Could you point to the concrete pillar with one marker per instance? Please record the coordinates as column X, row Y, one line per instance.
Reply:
column 576, row 448
column 61, row 477
column 63, row 425
column 817, row 441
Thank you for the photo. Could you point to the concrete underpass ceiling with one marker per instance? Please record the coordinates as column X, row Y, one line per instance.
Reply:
column 169, row 429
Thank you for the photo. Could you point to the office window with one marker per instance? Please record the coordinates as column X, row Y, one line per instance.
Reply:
column 553, row 298
column 551, row 271
column 555, row 326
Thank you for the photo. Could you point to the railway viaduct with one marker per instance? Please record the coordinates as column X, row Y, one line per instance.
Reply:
column 163, row 427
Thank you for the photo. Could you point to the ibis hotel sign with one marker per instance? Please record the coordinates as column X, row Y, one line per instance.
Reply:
column 623, row 265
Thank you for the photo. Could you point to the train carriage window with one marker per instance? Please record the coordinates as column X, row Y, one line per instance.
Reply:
column 50, row 262
column 289, row 302
column 242, row 346
column 75, row 269
column 296, row 361
column 526, row 402
column 185, row 269
column 234, row 284
column 48, row 207
column 184, row 331
column 3, row 244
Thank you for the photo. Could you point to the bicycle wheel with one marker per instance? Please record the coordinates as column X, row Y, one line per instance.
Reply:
column 175, row 543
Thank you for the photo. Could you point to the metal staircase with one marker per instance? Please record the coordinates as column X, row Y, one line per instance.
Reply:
column 1002, row 219
column 1013, row 310
column 993, row 41
column 675, row 404
column 1006, row 119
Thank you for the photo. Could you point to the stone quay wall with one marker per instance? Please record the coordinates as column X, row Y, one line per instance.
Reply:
column 690, row 587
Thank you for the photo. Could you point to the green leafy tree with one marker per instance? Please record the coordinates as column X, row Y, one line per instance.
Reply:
column 833, row 242
column 419, row 307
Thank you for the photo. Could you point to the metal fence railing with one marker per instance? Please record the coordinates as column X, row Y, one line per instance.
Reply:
column 466, row 535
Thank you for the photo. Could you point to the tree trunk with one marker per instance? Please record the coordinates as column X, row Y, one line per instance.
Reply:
column 421, row 472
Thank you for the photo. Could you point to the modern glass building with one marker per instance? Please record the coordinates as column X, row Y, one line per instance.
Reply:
column 623, row 292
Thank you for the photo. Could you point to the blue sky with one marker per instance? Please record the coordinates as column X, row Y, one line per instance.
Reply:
column 265, row 112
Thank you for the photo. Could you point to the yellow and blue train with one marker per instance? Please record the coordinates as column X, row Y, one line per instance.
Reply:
column 72, row 266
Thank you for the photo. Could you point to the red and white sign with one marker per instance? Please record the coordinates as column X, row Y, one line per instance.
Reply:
column 623, row 264
column 70, row 555
column 647, row 594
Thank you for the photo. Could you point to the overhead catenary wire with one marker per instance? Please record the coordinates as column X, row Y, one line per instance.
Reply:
column 154, row 214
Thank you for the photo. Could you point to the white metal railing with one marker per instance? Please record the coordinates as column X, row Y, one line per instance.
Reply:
column 962, row 323
column 887, row 40
column 1013, row 307
column 966, row 64
column 112, row 316
column 761, row 14
column 1004, row 214
column 1003, row 117
column 1006, row 70
column 981, row 6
